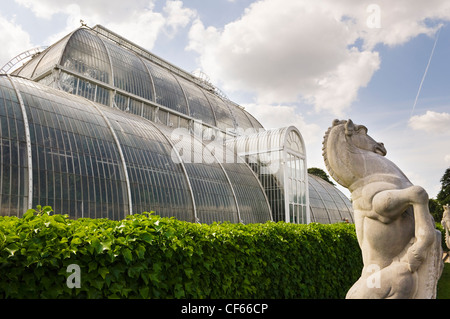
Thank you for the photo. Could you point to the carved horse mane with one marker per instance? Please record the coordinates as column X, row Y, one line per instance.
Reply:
column 324, row 150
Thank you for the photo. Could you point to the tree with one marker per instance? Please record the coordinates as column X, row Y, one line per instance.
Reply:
column 442, row 198
column 320, row 173
column 444, row 194
column 436, row 210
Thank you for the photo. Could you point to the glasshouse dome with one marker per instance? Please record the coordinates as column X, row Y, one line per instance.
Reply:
column 96, row 126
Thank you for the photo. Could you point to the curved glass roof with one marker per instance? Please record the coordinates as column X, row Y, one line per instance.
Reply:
column 89, row 160
column 328, row 204
column 102, row 59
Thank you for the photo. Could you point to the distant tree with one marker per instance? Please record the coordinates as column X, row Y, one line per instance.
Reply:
column 442, row 198
column 444, row 194
column 436, row 210
column 320, row 173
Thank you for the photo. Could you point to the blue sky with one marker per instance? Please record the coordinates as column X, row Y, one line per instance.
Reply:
column 290, row 62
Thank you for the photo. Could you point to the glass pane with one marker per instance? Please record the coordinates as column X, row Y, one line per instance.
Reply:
column 86, row 54
column 130, row 73
column 13, row 170
column 64, row 121
column 50, row 58
column 157, row 182
column 212, row 191
column 242, row 120
column 168, row 90
column 199, row 106
column 223, row 116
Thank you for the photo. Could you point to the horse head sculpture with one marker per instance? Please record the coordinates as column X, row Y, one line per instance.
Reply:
column 395, row 230
column 347, row 149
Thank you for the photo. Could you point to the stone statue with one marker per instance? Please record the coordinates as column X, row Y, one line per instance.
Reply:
column 400, row 246
column 446, row 224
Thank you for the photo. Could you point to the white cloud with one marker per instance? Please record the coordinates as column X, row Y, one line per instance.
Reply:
column 112, row 10
column 271, row 116
column 177, row 16
column 16, row 40
column 42, row 10
column 136, row 20
column 320, row 52
column 447, row 158
column 143, row 28
column 403, row 20
column 339, row 87
column 431, row 122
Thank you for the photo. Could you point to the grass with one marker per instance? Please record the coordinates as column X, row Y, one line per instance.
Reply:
column 443, row 288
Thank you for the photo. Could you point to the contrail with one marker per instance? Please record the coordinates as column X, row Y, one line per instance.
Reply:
column 426, row 71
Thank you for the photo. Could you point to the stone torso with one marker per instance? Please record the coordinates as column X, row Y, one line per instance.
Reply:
column 394, row 228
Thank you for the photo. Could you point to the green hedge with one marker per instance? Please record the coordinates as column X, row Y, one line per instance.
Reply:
column 146, row 256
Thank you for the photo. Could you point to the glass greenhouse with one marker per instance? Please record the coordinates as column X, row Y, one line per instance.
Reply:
column 96, row 126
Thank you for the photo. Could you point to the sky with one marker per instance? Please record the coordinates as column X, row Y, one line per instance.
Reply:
column 384, row 64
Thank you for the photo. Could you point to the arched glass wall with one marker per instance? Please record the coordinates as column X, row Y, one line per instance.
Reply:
column 88, row 160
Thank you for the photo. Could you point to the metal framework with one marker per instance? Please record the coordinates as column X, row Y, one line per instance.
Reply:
column 21, row 58
column 191, row 191
column 122, row 158
column 29, row 179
